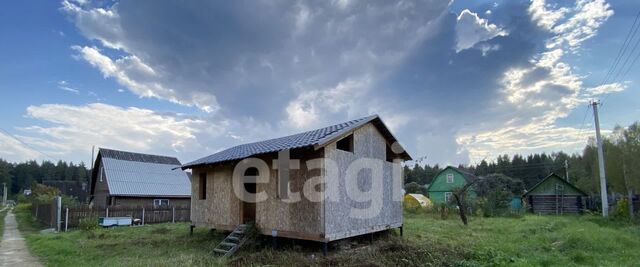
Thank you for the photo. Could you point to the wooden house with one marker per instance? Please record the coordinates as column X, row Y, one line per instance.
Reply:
column 555, row 195
column 215, row 205
column 122, row 178
column 440, row 191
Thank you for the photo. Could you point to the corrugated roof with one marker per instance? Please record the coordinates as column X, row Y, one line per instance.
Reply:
column 310, row 138
column 136, row 178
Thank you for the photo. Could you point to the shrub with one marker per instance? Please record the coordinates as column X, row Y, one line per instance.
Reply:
column 88, row 223
column 621, row 210
column 444, row 211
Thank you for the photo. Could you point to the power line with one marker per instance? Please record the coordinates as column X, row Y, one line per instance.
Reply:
column 627, row 42
column 622, row 49
column 25, row 144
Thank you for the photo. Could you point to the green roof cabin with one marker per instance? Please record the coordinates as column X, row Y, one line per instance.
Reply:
column 554, row 195
column 442, row 185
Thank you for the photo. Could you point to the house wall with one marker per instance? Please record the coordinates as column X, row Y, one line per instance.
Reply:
column 439, row 186
column 222, row 209
column 148, row 201
column 368, row 143
column 101, row 190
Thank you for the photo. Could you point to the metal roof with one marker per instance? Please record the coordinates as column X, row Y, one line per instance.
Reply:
column 132, row 156
column 318, row 137
column 136, row 178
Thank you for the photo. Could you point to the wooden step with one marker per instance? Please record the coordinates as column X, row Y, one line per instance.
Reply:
column 228, row 244
column 234, row 238
column 221, row 251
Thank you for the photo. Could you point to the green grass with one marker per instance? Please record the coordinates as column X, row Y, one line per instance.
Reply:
column 3, row 212
column 429, row 241
column 533, row 240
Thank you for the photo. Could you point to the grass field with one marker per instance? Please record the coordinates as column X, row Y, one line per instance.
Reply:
column 429, row 241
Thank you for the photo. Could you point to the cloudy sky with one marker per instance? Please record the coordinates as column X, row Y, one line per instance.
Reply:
column 457, row 81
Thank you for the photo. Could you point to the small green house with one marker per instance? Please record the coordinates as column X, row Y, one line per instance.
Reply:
column 442, row 185
column 555, row 195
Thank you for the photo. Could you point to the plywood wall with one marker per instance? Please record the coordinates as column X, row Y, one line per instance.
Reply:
column 368, row 143
column 220, row 209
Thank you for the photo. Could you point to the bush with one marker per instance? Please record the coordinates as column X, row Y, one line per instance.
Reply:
column 88, row 223
column 621, row 210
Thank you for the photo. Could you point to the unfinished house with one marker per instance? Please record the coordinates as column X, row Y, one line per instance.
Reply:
column 215, row 205
column 122, row 178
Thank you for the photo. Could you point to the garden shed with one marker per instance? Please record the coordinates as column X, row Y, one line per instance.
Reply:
column 216, row 205
column 555, row 195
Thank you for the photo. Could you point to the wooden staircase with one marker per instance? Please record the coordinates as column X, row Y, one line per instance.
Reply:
column 232, row 242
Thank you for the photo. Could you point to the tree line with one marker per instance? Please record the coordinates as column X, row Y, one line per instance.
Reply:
column 23, row 175
column 622, row 165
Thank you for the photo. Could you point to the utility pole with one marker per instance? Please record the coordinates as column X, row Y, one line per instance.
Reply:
column 603, row 178
column 566, row 170
column 4, row 194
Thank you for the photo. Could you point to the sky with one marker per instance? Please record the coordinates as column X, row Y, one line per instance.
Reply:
column 456, row 81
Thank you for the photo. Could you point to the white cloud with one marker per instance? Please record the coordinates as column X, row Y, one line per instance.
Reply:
column 312, row 107
column 13, row 150
column 72, row 130
column 605, row 89
column 536, row 96
column 64, row 85
column 472, row 29
column 140, row 78
column 571, row 26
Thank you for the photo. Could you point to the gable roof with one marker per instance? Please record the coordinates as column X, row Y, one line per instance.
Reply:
column 136, row 174
column 469, row 177
column 317, row 138
column 553, row 175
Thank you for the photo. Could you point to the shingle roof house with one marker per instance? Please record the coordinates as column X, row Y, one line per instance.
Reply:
column 133, row 179
column 216, row 205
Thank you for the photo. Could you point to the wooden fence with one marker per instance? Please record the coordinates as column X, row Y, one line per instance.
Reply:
column 44, row 213
column 71, row 215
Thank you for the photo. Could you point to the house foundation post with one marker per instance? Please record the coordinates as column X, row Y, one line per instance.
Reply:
column 325, row 248
column 401, row 226
column 191, row 229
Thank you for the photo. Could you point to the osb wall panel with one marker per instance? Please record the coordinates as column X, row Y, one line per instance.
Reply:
column 303, row 217
column 368, row 143
column 220, row 206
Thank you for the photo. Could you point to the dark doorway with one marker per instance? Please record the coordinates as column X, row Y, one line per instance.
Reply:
column 249, row 206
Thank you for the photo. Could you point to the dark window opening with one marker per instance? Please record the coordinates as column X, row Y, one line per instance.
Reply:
column 203, row 185
column 390, row 155
column 346, row 143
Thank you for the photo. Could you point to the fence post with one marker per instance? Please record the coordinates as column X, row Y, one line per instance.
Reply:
column 58, row 203
column 173, row 215
column 107, row 212
column 66, row 219
column 142, row 216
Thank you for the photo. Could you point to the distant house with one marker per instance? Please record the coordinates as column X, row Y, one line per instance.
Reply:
column 441, row 188
column 554, row 195
column 216, row 205
column 77, row 189
column 122, row 178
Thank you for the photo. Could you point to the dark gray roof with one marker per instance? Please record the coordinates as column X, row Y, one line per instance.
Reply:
column 137, row 174
column 467, row 175
column 132, row 156
column 318, row 137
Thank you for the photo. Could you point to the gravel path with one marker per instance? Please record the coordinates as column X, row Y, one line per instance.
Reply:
column 13, row 250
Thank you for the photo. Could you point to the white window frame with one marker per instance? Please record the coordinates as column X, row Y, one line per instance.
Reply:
column 100, row 173
column 450, row 178
column 157, row 203
column 447, row 196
